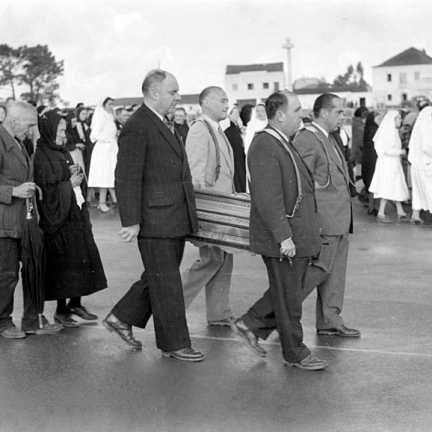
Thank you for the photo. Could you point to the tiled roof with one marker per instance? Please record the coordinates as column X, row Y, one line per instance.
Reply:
column 411, row 56
column 268, row 67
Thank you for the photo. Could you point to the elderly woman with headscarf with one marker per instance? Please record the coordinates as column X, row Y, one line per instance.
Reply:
column 104, row 156
column 420, row 157
column 234, row 134
column 388, row 182
column 73, row 265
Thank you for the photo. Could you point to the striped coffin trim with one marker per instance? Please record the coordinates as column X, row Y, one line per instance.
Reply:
column 223, row 220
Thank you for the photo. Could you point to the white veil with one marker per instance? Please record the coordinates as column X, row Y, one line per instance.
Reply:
column 102, row 124
column 387, row 137
column 420, row 145
column 254, row 125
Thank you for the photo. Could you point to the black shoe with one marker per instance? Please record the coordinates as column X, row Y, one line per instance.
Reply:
column 82, row 312
column 373, row 212
column 249, row 338
column 65, row 320
column 113, row 324
column 340, row 331
column 185, row 354
column 309, row 363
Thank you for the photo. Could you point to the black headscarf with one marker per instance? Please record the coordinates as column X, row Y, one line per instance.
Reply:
column 51, row 173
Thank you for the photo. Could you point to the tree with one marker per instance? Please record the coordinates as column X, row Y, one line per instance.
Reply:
column 10, row 66
column 352, row 79
column 40, row 71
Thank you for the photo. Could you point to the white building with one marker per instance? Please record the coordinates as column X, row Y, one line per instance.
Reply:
column 251, row 84
column 403, row 77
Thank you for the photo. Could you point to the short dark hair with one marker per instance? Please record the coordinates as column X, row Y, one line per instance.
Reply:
column 275, row 102
column 107, row 100
column 180, row 109
column 325, row 101
column 154, row 76
column 203, row 95
column 361, row 112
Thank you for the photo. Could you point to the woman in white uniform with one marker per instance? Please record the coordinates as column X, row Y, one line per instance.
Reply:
column 388, row 182
column 104, row 156
column 420, row 157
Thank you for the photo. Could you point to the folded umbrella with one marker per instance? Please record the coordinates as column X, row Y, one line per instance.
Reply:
column 33, row 259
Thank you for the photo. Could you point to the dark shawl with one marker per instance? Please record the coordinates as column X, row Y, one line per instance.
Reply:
column 234, row 136
column 51, row 174
column 369, row 153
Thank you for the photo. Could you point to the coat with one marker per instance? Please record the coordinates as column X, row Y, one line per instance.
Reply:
column 202, row 156
column 325, row 160
column 153, row 179
column 274, row 192
column 15, row 169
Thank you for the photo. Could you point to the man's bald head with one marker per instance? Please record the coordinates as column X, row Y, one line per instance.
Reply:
column 20, row 117
column 214, row 103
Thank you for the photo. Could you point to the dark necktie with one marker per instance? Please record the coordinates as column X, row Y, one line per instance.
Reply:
column 169, row 124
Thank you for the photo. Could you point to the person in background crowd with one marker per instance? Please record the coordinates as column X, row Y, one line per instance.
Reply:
column 2, row 113
column 369, row 158
column 134, row 107
column 388, row 182
column 41, row 109
column 285, row 243
column 122, row 115
column 322, row 156
column 245, row 114
column 234, row 135
column 420, row 157
column 257, row 123
column 16, row 185
column 213, row 269
column 408, row 121
column 104, row 156
column 180, row 123
column 342, row 140
column 157, row 206
column 73, row 265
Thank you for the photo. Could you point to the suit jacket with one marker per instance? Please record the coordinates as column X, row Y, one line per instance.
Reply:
column 202, row 157
column 331, row 181
column 15, row 169
column 235, row 138
column 274, row 192
column 153, row 180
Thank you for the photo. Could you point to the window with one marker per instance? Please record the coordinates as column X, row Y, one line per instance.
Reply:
column 404, row 97
column 235, row 87
column 389, row 77
column 403, row 77
column 417, row 76
column 276, row 86
column 250, row 86
column 266, row 86
column 389, row 98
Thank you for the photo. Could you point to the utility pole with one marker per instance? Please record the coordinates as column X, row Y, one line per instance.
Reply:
column 288, row 45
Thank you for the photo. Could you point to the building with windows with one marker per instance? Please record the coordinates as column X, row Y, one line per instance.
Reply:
column 252, row 84
column 403, row 77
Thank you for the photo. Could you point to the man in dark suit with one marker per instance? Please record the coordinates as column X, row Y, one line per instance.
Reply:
column 157, row 204
column 284, row 230
column 324, row 159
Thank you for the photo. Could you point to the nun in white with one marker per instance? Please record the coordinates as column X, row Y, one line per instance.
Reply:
column 388, row 182
column 104, row 156
column 420, row 157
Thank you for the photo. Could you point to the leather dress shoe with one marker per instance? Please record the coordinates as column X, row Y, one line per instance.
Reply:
column 249, row 338
column 224, row 322
column 47, row 328
column 82, row 312
column 113, row 324
column 66, row 320
column 339, row 331
column 13, row 333
column 185, row 354
column 309, row 363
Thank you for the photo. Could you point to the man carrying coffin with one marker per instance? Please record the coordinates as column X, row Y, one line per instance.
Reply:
column 284, row 230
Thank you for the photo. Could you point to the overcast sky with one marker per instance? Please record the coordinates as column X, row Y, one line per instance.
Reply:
column 108, row 46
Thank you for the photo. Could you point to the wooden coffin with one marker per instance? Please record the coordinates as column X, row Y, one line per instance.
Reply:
column 223, row 220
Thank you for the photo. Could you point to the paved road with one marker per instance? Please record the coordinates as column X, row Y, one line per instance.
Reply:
column 86, row 380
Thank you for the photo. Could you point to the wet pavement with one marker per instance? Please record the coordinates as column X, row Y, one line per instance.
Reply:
column 86, row 379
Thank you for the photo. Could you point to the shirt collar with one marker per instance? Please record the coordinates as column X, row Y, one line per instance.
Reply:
column 212, row 122
column 321, row 129
column 151, row 109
